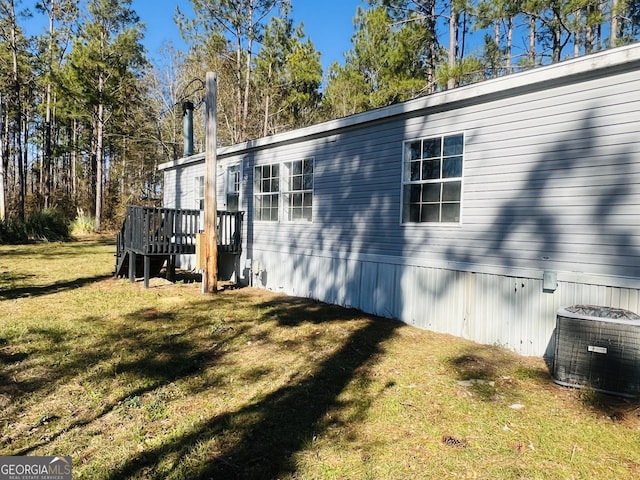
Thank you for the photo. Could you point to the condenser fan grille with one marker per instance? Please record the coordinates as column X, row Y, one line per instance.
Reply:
column 598, row 347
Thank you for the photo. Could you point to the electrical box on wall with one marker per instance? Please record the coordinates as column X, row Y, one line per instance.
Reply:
column 549, row 282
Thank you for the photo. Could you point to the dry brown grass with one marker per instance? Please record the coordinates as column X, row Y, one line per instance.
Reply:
column 168, row 383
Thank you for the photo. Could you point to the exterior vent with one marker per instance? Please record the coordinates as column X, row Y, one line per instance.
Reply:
column 598, row 347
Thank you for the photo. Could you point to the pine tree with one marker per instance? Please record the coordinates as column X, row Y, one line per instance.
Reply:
column 288, row 74
column 241, row 23
column 61, row 14
column 14, row 50
column 106, row 55
column 386, row 59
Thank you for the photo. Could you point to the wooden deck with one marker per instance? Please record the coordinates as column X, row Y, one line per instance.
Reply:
column 151, row 236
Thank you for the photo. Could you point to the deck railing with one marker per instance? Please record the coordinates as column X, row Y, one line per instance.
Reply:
column 229, row 232
column 168, row 231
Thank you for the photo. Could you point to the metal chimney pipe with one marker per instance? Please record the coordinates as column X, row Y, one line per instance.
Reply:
column 187, row 127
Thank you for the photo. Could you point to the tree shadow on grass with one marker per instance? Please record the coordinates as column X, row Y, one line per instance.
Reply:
column 56, row 287
column 259, row 440
column 138, row 349
column 618, row 409
column 490, row 372
column 294, row 311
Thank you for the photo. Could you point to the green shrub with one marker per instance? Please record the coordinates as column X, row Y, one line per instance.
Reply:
column 44, row 225
column 83, row 225
column 47, row 225
column 12, row 232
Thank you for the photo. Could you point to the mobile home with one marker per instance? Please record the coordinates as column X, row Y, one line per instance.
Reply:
column 478, row 211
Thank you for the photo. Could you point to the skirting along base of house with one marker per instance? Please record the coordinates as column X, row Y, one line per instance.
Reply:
column 516, row 312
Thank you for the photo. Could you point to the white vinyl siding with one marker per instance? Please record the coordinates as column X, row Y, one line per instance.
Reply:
column 550, row 181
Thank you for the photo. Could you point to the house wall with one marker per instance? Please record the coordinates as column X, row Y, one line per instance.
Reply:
column 551, row 183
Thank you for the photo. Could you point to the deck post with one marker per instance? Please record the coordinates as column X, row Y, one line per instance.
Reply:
column 147, row 270
column 132, row 266
column 171, row 268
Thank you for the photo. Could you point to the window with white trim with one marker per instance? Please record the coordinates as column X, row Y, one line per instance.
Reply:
column 198, row 192
column 266, row 192
column 233, row 187
column 284, row 191
column 432, row 179
column 297, row 190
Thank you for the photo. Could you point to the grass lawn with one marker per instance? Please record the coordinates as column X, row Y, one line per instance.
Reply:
column 167, row 383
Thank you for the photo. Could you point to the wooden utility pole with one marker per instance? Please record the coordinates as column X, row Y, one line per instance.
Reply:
column 210, row 277
column 2, row 199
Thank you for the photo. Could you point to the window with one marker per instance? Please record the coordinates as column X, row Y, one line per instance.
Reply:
column 298, row 190
column 432, row 180
column 198, row 192
column 233, row 188
column 291, row 180
column 266, row 192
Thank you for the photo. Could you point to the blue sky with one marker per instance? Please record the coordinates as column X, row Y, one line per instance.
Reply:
column 329, row 24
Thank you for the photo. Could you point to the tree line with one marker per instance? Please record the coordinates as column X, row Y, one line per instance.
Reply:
column 85, row 118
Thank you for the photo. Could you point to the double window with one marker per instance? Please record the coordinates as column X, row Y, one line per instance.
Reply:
column 284, row 189
column 432, row 179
